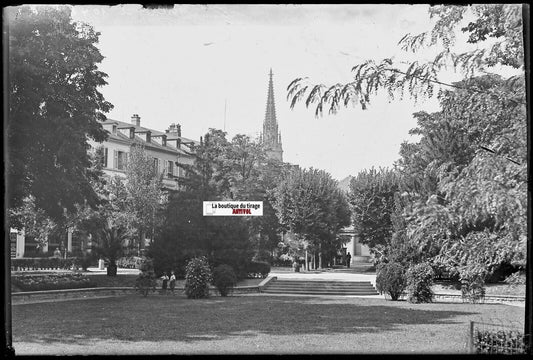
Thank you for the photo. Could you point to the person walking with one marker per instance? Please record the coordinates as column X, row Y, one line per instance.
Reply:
column 172, row 282
column 348, row 259
column 165, row 282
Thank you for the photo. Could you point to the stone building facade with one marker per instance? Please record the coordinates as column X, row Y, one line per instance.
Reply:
column 166, row 148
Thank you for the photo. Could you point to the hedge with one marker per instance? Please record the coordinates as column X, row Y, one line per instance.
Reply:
column 52, row 282
column 44, row 263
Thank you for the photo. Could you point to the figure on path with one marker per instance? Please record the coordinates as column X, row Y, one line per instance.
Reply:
column 348, row 259
column 165, row 281
column 172, row 281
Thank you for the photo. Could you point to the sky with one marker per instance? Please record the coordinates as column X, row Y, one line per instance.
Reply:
column 206, row 66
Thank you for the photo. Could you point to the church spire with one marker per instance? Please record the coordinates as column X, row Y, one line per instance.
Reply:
column 270, row 115
column 271, row 138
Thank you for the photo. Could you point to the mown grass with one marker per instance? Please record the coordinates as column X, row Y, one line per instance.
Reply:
column 281, row 324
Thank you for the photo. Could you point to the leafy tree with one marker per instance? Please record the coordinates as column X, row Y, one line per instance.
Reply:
column 310, row 205
column 185, row 232
column 144, row 192
column 34, row 221
column 111, row 243
column 465, row 180
column 53, row 108
column 254, row 177
column 497, row 31
column 371, row 198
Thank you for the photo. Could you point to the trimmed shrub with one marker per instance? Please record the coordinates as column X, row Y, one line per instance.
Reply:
column 224, row 279
column 419, row 282
column 472, row 285
column 390, row 279
column 197, row 278
column 257, row 269
column 146, row 280
column 52, row 282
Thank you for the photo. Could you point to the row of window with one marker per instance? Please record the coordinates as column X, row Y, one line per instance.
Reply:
column 120, row 162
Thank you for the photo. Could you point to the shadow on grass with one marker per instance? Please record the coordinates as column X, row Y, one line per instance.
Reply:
column 176, row 318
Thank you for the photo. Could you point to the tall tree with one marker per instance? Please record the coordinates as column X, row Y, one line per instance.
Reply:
column 144, row 192
column 466, row 177
column 54, row 108
column 185, row 232
column 310, row 205
column 371, row 197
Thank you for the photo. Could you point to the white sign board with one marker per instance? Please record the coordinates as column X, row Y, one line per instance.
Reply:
column 233, row 208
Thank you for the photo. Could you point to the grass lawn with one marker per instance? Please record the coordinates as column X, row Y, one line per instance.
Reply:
column 248, row 324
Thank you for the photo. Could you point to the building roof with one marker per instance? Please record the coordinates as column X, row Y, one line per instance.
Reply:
column 154, row 133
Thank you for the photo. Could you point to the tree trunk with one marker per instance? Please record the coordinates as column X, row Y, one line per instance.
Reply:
column 141, row 241
column 320, row 256
column 112, row 268
column 306, row 265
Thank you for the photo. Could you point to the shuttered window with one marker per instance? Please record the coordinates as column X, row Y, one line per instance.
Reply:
column 120, row 160
column 170, row 168
column 104, row 156
column 156, row 165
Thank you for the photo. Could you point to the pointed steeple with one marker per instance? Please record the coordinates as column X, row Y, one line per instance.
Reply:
column 271, row 137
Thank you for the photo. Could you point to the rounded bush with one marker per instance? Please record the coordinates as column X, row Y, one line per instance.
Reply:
column 390, row 279
column 419, row 282
column 197, row 278
column 473, row 285
column 224, row 279
column 146, row 280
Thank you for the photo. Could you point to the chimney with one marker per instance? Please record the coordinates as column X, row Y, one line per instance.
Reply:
column 164, row 140
column 136, row 120
column 132, row 132
column 172, row 129
column 179, row 129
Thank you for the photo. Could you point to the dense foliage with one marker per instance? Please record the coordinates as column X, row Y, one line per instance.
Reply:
column 223, row 170
column 146, row 280
column 499, row 342
column 390, row 279
column 224, row 279
column 198, row 276
column 312, row 209
column 144, row 193
column 419, row 282
column 53, row 109
column 463, row 185
column 371, row 199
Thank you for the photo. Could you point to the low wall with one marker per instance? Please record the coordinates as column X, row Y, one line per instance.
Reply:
column 488, row 299
column 27, row 297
